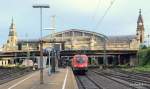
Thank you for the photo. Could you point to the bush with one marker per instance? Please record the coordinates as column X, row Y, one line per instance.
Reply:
column 144, row 57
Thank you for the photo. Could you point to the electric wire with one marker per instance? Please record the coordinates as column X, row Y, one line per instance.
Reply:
column 105, row 13
column 96, row 9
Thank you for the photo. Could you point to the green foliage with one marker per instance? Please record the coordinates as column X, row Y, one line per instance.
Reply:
column 122, row 66
column 144, row 47
column 138, row 69
column 144, row 57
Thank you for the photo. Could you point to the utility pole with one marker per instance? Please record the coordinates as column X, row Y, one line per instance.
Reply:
column 53, row 37
column 41, row 41
column 28, row 53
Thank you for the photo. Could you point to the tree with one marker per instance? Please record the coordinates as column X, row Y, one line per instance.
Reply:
column 144, row 47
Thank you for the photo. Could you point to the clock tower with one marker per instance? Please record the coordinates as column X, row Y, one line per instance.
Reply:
column 12, row 34
column 140, row 28
column 11, row 44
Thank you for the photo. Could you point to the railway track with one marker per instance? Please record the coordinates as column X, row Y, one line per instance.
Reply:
column 108, row 83
column 93, row 80
column 134, row 82
column 85, row 82
column 145, row 75
column 11, row 75
column 134, row 76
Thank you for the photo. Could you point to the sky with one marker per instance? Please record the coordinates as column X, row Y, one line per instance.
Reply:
column 73, row 14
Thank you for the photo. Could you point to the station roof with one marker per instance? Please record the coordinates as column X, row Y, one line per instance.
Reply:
column 91, row 33
column 119, row 39
column 113, row 39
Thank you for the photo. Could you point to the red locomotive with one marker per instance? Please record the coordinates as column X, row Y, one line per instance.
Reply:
column 79, row 63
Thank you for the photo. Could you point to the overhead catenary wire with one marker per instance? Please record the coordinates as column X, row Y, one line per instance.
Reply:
column 105, row 13
column 96, row 9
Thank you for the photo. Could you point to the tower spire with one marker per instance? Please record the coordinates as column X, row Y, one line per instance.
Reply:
column 12, row 20
column 140, row 19
column 139, row 11
column 12, row 28
column 140, row 28
column 12, row 37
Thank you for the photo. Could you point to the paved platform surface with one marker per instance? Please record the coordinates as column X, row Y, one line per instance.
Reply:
column 63, row 79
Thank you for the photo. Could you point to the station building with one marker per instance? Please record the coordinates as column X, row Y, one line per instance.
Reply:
column 82, row 39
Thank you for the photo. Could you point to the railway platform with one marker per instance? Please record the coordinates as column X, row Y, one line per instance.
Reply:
column 62, row 79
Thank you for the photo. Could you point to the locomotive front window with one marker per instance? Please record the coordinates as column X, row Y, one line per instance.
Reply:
column 80, row 59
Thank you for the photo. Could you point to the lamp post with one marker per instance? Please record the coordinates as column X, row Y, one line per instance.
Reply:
column 41, row 6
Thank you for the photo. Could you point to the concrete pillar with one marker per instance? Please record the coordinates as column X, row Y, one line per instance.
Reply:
column 113, row 60
column 12, row 61
column 0, row 62
column 6, row 62
column 119, row 59
column 3, row 62
column 105, row 60
column 96, row 60
column 133, row 60
column 62, row 46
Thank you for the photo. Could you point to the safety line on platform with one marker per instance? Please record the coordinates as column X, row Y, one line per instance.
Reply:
column 21, row 81
column 64, row 83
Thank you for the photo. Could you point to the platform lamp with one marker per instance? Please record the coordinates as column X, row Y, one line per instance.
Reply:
column 41, row 6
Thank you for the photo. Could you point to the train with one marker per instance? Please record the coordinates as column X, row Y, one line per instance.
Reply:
column 79, row 63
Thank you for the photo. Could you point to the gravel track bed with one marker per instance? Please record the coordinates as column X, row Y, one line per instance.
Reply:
column 85, row 83
column 133, row 80
column 9, row 75
column 106, row 82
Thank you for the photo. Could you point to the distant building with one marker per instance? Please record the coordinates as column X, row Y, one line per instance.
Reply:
column 76, row 39
column 11, row 44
